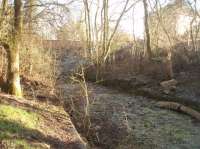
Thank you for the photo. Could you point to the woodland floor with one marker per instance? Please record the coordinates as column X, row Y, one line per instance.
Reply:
column 124, row 120
column 118, row 119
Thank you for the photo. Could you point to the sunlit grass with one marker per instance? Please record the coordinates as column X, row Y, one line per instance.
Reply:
column 15, row 123
column 18, row 143
column 27, row 119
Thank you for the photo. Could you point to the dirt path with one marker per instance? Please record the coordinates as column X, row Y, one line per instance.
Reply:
column 118, row 120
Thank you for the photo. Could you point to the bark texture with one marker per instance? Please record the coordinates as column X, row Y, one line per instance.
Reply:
column 13, row 56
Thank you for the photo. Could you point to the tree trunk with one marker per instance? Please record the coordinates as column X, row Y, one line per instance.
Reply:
column 14, row 86
column 169, row 66
column 147, row 34
column 30, row 15
column 31, row 10
column 105, row 26
column 4, row 4
column 88, row 29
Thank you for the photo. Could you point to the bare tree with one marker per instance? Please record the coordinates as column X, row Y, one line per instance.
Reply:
column 105, row 26
column 30, row 13
column 88, row 27
column 110, row 38
column 168, row 59
column 194, row 24
column 147, row 34
column 14, row 86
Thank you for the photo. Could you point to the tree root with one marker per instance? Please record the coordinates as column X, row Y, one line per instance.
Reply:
column 180, row 108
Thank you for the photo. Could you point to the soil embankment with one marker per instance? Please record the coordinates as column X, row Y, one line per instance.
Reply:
column 32, row 124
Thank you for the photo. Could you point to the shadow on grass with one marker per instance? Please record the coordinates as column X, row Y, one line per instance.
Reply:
column 14, row 130
column 24, row 104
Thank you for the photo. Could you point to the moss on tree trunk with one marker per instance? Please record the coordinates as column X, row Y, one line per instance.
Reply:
column 14, row 86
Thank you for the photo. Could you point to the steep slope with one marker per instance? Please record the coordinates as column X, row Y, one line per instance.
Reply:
column 26, row 124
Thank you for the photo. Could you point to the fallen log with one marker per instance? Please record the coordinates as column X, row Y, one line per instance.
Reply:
column 180, row 108
column 169, row 84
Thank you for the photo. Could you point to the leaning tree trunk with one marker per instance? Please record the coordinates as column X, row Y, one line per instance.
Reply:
column 14, row 86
